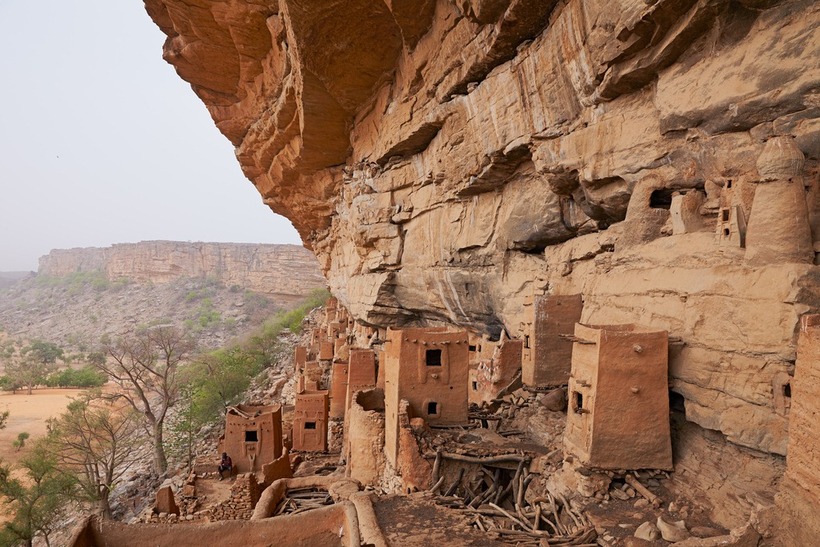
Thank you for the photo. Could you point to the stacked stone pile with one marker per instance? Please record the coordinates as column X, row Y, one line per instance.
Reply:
column 244, row 495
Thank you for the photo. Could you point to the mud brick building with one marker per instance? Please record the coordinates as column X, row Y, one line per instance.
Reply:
column 361, row 372
column 253, row 436
column 338, row 390
column 427, row 367
column 310, row 415
column 547, row 354
column 618, row 416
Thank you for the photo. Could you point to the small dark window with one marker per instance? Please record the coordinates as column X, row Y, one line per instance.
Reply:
column 432, row 409
column 475, row 386
column 472, row 348
column 310, row 425
column 726, row 232
column 578, row 401
column 729, row 183
column 433, row 357
column 661, row 199
column 787, row 390
column 527, row 341
column 724, row 215
column 251, row 437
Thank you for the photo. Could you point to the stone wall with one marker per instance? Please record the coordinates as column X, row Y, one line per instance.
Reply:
column 282, row 270
column 244, row 495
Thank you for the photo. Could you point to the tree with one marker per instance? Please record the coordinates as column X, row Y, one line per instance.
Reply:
column 4, row 416
column 37, row 500
column 43, row 352
column 26, row 370
column 94, row 444
column 22, row 437
column 144, row 365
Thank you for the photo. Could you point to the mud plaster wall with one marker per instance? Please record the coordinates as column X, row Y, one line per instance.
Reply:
column 365, row 437
column 496, row 371
column 799, row 495
column 548, row 360
column 618, row 416
column 266, row 429
column 310, row 421
column 429, row 369
column 305, row 529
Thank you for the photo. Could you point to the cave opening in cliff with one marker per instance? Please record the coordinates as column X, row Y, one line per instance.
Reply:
column 433, row 357
column 661, row 198
column 676, row 402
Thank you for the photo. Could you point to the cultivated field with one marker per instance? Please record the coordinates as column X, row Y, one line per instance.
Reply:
column 29, row 413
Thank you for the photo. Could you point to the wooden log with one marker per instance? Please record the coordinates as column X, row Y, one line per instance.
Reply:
column 643, row 490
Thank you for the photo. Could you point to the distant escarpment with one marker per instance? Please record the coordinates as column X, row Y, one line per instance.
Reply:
column 287, row 272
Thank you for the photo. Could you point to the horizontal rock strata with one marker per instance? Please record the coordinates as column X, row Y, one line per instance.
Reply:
column 449, row 160
column 278, row 270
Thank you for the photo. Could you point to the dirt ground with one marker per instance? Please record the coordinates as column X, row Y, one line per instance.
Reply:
column 29, row 413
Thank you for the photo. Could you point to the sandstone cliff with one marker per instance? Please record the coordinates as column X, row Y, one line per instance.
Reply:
column 447, row 160
column 285, row 271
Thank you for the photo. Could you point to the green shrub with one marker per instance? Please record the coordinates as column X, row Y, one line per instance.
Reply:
column 85, row 377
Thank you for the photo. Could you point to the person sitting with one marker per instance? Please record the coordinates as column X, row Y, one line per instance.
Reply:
column 225, row 465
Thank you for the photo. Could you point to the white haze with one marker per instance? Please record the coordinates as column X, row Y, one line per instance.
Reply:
column 101, row 142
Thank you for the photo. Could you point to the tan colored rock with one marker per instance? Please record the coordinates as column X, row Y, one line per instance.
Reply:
column 446, row 162
column 647, row 531
column 672, row 531
column 288, row 271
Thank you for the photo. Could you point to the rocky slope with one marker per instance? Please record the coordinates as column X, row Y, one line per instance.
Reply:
column 216, row 290
column 449, row 160
column 287, row 272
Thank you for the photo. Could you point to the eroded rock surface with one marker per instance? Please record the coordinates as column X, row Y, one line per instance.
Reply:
column 286, row 271
column 449, row 160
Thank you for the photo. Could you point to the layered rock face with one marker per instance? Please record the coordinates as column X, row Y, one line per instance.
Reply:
column 448, row 160
column 287, row 271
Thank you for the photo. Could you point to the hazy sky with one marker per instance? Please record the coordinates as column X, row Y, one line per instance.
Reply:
column 101, row 142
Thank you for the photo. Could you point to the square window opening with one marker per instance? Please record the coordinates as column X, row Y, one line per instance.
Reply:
column 433, row 357
column 310, row 425
column 724, row 215
column 475, row 386
column 527, row 341
column 787, row 390
column 432, row 408
column 251, row 437
column 472, row 347
column 726, row 232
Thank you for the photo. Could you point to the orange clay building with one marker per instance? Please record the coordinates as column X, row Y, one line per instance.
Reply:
column 361, row 372
column 494, row 368
column 618, row 416
column 338, row 390
column 310, row 415
column 547, row 354
column 427, row 367
column 253, row 436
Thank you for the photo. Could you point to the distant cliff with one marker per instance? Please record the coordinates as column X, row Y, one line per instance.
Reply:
column 280, row 270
